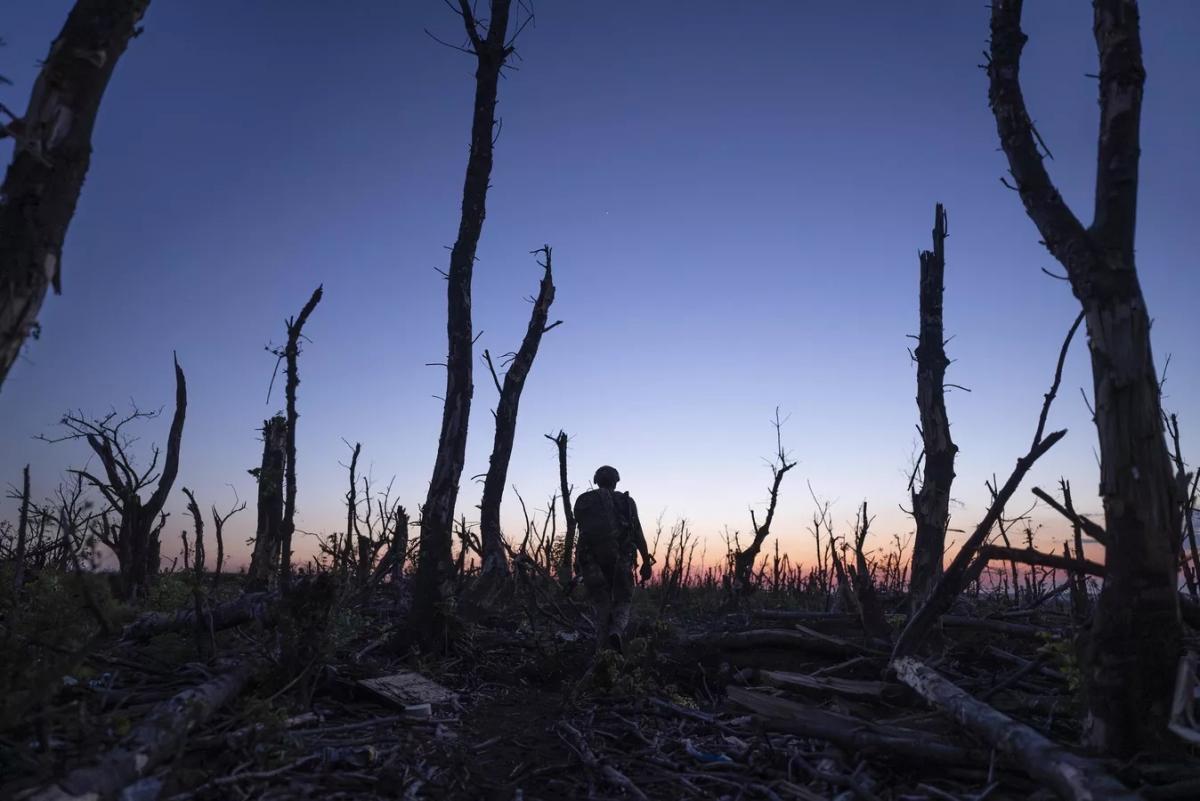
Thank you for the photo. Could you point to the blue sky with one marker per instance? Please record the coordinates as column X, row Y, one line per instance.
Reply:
column 735, row 195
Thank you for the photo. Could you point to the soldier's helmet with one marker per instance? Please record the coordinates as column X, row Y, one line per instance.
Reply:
column 606, row 476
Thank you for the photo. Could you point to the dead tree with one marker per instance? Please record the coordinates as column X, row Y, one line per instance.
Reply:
column 219, row 521
column 135, row 538
column 435, row 565
column 352, row 510
column 290, row 354
column 567, row 565
column 931, row 504
column 495, row 560
column 53, row 149
column 959, row 575
column 264, row 560
column 198, row 528
column 22, row 532
column 743, row 560
column 1135, row 642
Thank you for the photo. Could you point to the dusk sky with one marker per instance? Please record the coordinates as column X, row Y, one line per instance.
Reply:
column 735, row 193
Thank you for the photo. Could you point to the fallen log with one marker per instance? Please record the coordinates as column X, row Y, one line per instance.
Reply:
column 1028, row 556
column 780, row 714
column 997, row 626
column 157, row 738
column 805, row 640
column 1067, row 774
column 253, row 606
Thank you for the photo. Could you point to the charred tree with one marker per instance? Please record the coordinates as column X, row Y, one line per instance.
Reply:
column 264, row 560
column 51, row 158
column 291, row 354
column 743, row 560
column 135, row 538
column 495, row 560
column 931, row 504
column 567, row 565
column 219, row 521
column 22, row 533
column 435, row 565
column 1135, row 642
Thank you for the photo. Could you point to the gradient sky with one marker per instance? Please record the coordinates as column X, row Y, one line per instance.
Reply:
column 735, row 194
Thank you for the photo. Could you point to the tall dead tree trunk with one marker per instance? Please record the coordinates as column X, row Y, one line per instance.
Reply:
column 1135, row 640
column 495, row 560
column 435, row 565
column 567, row 565
column 291, row 353
column 51, row 158
column 219, row 521
column 931, row 504
column 267, row 535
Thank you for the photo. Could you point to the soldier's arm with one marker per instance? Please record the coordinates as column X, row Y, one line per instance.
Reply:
column 639, row 538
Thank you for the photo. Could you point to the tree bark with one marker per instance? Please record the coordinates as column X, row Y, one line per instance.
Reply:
column 291, row 355
column 1135, row 640
column 435, row 565
column 495, row 560
column 22, row 532
column 267, row 537
column 51, row 158
column 567, row 565
column 931, row 504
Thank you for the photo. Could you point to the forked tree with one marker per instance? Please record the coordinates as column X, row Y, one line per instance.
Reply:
column 135, row 536
column 931, row 503
column 1135, row 641
column 435, row 564
column 50, row 160
column 742, row 581
column 495, row 559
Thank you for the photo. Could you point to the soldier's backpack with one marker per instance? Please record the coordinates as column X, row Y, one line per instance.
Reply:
column 603, row 529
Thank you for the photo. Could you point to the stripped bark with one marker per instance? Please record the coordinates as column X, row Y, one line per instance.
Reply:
column 291, row 354
column 159, row 737
column 960, row 574
column 1135, row 640
column 566, row 566
column 435, row 566
column 51, row 158
column 264, row 560
column 1068, row 775
column 495, row 560
column 931, row 504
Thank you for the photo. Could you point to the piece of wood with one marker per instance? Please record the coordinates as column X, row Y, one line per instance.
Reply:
column 1070, row 776
column 808, row 641
column 157, row 738
column 854, row 688
column 780, row 714
column 253, row 606
column 407, row 689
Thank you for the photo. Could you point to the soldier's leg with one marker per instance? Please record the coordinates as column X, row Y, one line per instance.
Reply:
column 600, row 596
column 622, row 598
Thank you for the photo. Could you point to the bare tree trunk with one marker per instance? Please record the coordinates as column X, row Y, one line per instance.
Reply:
column 962, row 570
column 435, row 566
column 22, row 530
column 51, row 158
column 219, row 521
column 495, row 560
column 567, row 566
column 743, row 561
column 267, row 537
column 291, row 354
column 1135, row 640
column 931, row 505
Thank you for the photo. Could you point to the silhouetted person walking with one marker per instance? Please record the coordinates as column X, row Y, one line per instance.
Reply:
column 610, row 535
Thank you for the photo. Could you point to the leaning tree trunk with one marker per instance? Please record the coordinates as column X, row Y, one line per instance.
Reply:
column 267, row 537
column 495, row 561
column 435, row 564
column 51, row 158
column 1135, row 640
column 291, row 354
column 931, row 504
